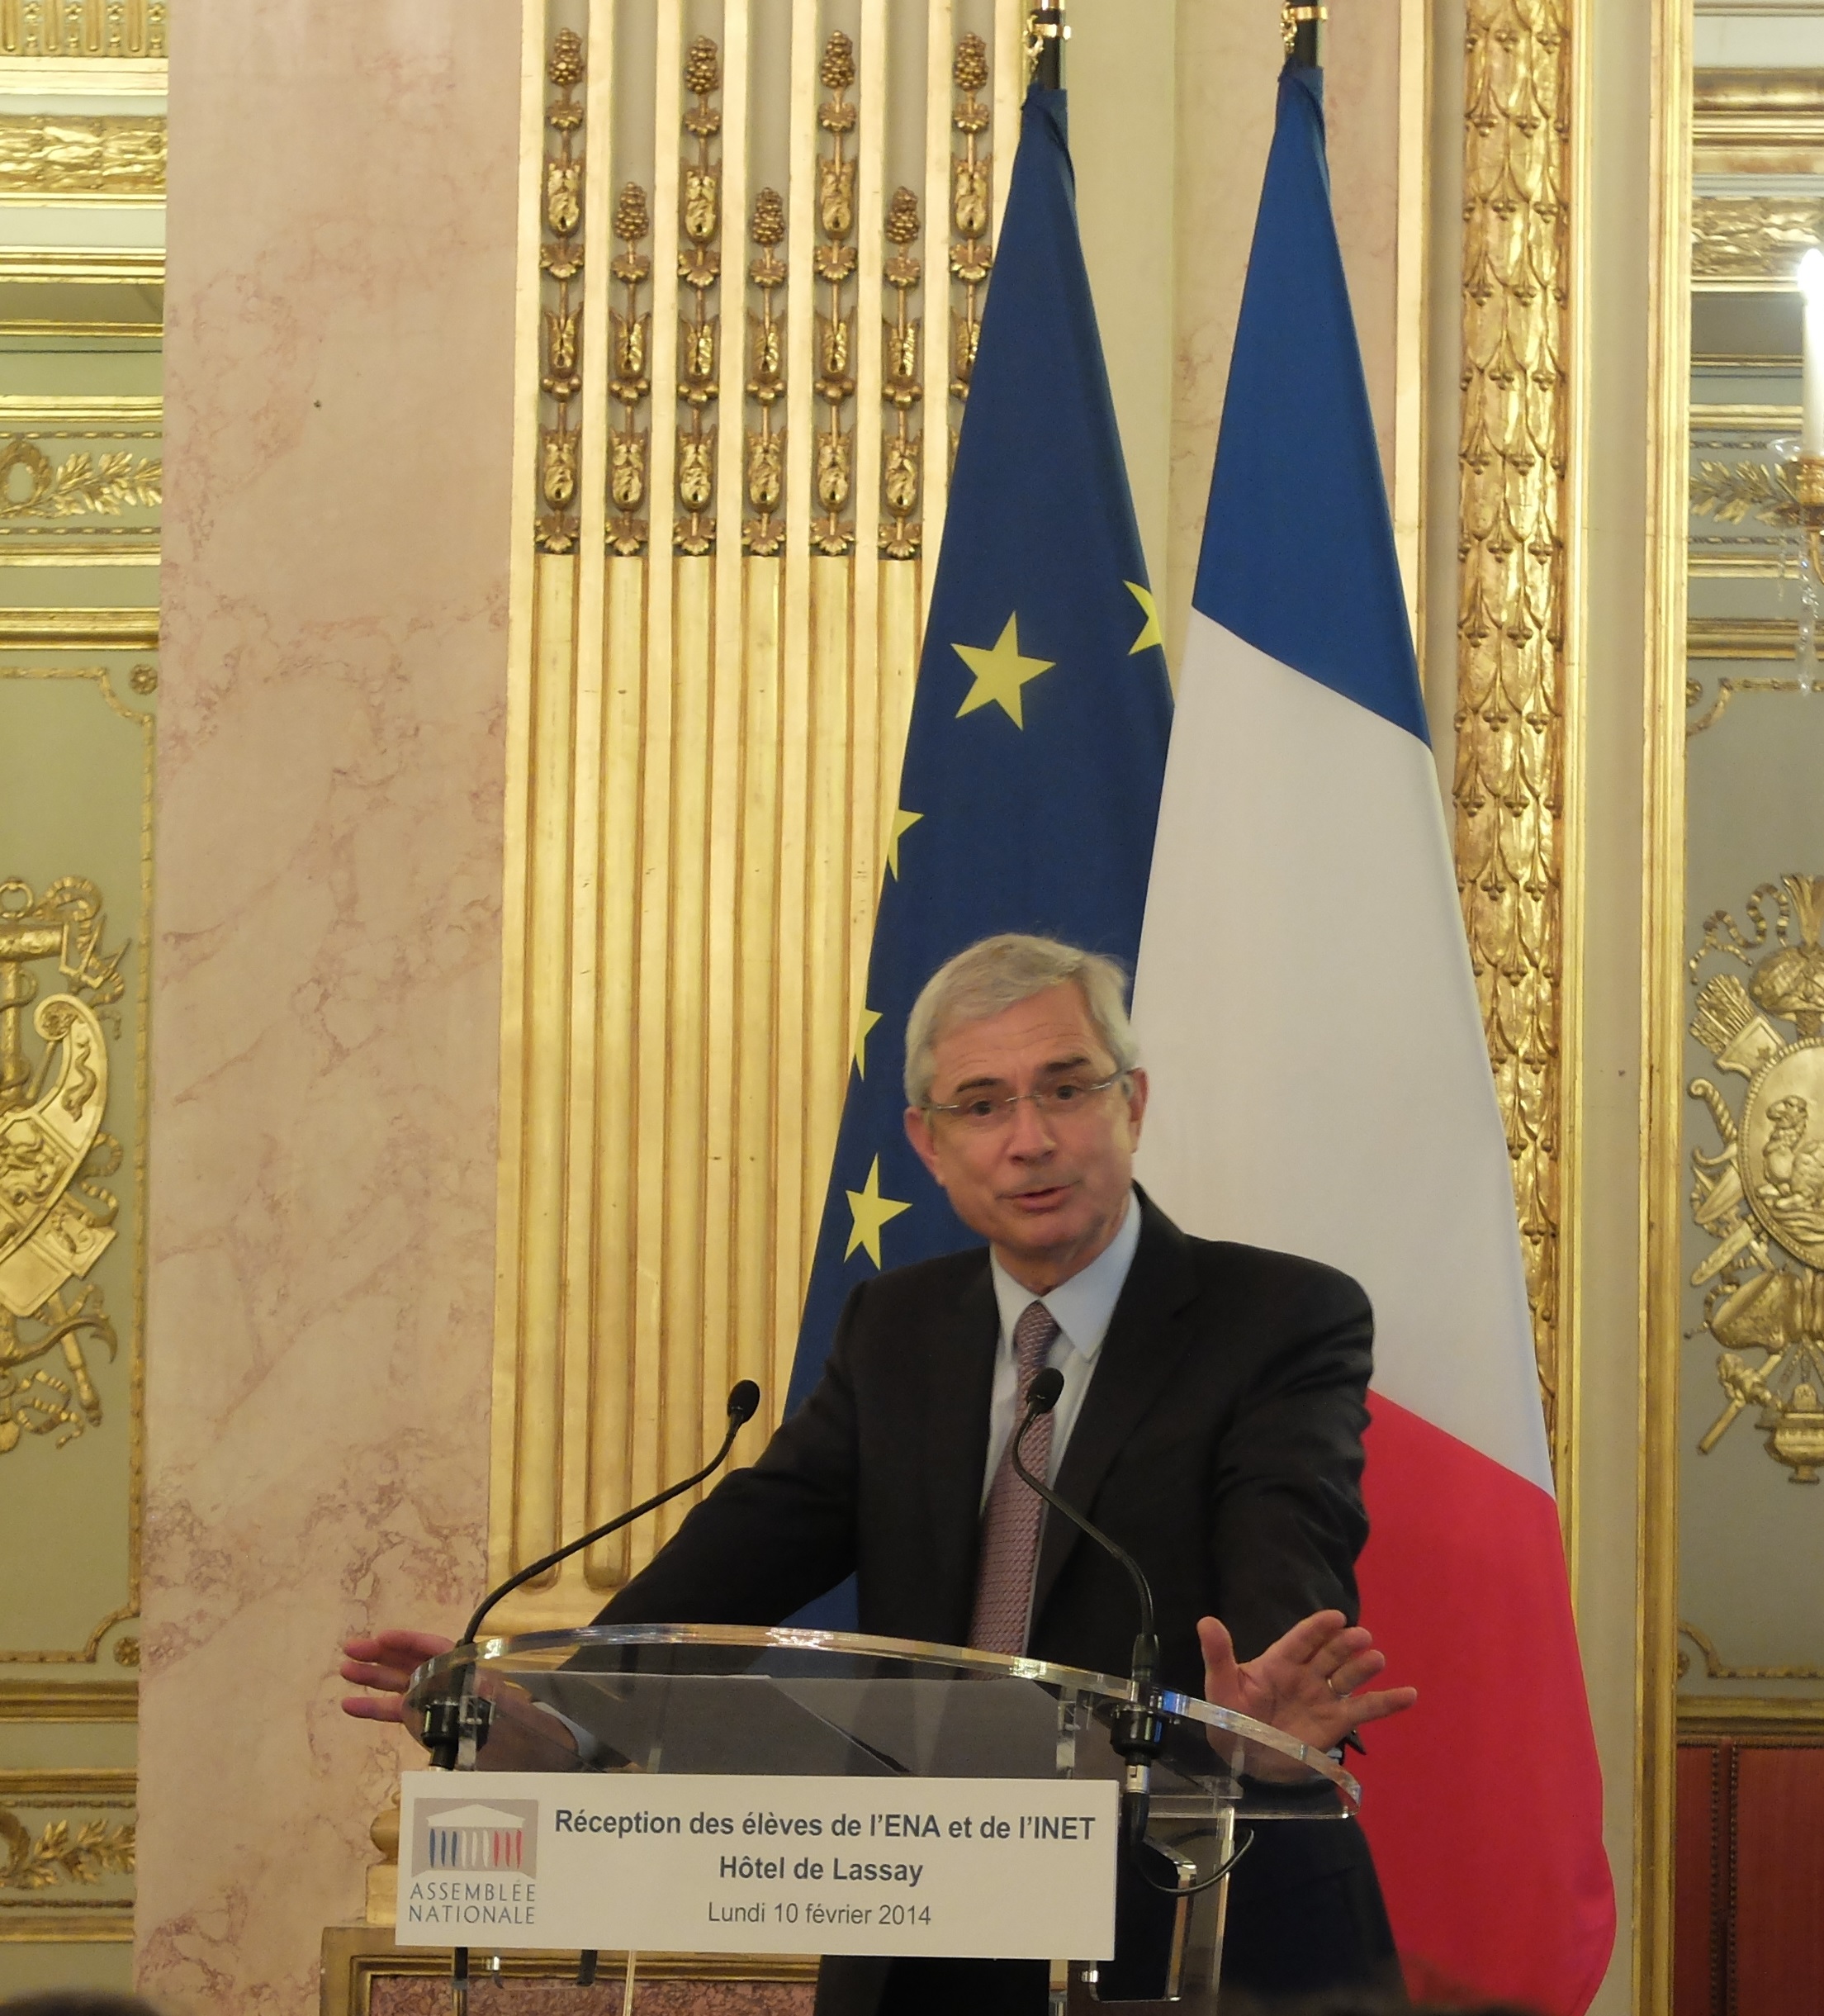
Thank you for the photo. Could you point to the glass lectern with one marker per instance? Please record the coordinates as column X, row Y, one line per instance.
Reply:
column 745, row 1702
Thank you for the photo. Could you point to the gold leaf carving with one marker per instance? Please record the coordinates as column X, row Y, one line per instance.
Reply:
column 48, row 155
column 697, row 360
column 1753, row 237
column 702, row 200
column 561, row 261
column 562, row 343
column 901, row 385
column 61, row 1854
column 765, row 445
column 1732, row 491
column 835, row 197
column 103, row 28
column 563, row 197
column 835, row 262
column 631, row 382
column 31, row 486
column 972, row 191
column 1510, row 712
column 558, row 465
column 765, row 473
column 627, row 471
column 699, row 267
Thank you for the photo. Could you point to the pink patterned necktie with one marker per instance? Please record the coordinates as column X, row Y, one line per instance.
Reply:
column 1010, row 1520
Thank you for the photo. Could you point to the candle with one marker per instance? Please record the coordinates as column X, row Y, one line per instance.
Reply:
column 1810, row 285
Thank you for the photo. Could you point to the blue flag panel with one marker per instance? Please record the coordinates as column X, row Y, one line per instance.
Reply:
column 1296, row 457
column 1036, row 748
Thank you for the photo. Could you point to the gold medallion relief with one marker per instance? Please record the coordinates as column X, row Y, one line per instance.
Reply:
column 56, row 1219
column 1760, row 1196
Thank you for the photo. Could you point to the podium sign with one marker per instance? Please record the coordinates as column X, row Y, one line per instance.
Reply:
column 969, row 1868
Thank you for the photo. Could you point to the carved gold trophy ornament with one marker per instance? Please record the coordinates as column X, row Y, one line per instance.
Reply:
column 1760, row 1196
column 55, row 1222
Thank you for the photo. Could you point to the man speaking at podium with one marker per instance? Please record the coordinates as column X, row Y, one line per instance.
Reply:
column 1209, row 1421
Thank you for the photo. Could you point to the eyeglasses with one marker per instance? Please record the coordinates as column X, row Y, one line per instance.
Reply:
column 1057, row 1101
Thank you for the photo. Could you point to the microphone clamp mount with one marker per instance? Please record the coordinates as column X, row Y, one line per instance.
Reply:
column 1139, row 1731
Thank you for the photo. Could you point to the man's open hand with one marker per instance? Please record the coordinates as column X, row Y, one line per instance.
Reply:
column 385, row 1663
column 1305, row 1684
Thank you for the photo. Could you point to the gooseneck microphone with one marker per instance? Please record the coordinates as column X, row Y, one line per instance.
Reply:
column 1140, row 1728
column 448, row 1720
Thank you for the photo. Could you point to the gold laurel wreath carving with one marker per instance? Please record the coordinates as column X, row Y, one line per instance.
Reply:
column 81, row 485
column 61, row 1854
column 1732, row 492
column 1509, row 788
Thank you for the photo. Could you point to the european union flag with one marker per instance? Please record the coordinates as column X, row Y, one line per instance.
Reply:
column 1038, row 726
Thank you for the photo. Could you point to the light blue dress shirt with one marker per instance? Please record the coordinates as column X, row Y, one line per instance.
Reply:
column 1082, row 1308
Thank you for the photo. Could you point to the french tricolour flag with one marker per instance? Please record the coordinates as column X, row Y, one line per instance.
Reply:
column 1304, row 990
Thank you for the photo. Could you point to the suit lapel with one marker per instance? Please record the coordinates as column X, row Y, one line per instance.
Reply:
column 1144, row 1343
column 959, row 1386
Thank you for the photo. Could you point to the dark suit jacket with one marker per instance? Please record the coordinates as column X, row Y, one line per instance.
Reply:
column 1219, row 1442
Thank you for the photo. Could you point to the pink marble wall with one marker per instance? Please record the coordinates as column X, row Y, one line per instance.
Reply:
column 325, row 1019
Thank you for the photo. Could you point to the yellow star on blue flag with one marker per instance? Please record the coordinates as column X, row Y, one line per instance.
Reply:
column 1151, row 634
column 864, row 1029
column 903, row 824
column 999, row 673
column 868, row 1211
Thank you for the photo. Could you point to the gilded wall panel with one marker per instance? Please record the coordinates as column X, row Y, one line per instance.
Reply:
column 1750, row 1367
column 1751, row 1362
column 83, row 28
column 711, row 722
column 73, row 158
column 66, row 1854
column 81, row 484
column 81, row 479
column 75, row 786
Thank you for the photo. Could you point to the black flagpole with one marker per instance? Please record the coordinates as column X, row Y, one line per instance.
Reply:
column 1301, row 24
column 1045, row 28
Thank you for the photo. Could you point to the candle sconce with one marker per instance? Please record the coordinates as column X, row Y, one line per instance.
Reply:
column 1805, row 472
column 1805, row 478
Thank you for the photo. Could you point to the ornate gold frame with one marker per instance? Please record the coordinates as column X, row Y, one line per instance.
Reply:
column 1662, row 1002
column 51, row 1915
column 355, row 1956
column 147, row 724
column 55, row 1701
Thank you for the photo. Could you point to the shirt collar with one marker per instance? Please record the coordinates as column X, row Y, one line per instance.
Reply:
column 1083, row 1306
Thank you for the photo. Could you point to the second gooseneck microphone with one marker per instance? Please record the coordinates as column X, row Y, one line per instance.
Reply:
column 743, row 1401
column 443, row 1726
column 1140, row 1728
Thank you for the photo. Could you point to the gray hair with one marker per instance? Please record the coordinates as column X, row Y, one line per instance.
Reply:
column 999, row 973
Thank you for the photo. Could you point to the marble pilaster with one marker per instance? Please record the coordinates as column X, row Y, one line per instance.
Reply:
column 327, row 965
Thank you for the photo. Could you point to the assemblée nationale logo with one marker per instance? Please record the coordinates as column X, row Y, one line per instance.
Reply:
column 473, row 1863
